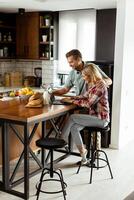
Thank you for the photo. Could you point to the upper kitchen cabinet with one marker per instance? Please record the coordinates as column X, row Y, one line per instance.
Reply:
column 36, row 35
column 48, row 35
column 105, row 34
column 7, row 35
column 27, row 35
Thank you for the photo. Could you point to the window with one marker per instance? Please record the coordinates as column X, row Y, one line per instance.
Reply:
column 76, row 30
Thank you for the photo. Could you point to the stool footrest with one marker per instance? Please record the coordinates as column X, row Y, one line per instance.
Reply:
column 46, row 180
column 48, row 171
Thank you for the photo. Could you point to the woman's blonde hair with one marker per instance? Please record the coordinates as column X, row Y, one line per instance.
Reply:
column 92, row 72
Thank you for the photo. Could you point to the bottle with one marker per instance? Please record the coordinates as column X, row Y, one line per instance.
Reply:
column 43, row 54
column 46, row 98
column 9, row 38
column 26, row 82
column 1, row 53
column 5, row 49
column 4, row 38
column 7, row 79
column 0, row 36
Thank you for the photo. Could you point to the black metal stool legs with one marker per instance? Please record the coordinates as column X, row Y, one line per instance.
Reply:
column 107, row 161
column 95, row 154
column 92, row 162
column 63, row 184
column 40, row 183
column 51, row 163
column 59, row 174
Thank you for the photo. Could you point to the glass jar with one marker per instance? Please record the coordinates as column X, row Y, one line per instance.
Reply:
column 5, row 51
column 7, row 79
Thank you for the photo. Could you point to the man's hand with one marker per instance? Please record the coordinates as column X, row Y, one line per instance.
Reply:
column 60, row 91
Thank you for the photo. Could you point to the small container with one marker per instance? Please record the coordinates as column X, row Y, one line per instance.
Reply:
column 26, row 82
column 5, row 49
column 46, row 98
column 44, row 38
column 4, row 38
column 1, row 53
column 47, row 22
column 9, row 38
column 47, row 54
column 0, row 36
column 7, row 79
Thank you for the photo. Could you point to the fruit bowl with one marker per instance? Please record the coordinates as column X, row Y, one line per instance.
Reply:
column 24, row 97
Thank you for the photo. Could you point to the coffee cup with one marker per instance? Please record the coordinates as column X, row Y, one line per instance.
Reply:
column 44, row 38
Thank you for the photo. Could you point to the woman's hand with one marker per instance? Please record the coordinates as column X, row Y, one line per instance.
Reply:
column 76, row 97
column 67, row 100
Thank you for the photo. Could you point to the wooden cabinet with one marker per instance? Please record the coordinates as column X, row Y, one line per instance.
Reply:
column 36, row 35
column 7, row 35
column 105, row 34
column 27, row 35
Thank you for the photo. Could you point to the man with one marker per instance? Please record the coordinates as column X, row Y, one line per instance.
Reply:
column 74, row 58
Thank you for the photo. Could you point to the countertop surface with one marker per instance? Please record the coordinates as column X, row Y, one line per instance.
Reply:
column 16, row 110
column 8, row 89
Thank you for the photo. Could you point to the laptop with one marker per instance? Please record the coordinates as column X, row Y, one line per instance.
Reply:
column 57, row 101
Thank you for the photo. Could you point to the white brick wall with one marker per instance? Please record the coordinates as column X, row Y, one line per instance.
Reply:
column 49, row 69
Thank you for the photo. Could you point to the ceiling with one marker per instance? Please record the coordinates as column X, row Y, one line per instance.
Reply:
column 54, row 5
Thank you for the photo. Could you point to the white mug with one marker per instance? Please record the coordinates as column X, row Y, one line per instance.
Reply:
column 44, row 38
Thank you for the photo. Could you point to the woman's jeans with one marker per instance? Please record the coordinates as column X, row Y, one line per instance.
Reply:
column 76, row 122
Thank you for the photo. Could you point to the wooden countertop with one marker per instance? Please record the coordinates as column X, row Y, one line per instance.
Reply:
column 15, row 110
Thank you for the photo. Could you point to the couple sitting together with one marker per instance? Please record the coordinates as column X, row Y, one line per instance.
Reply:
column 91, row 90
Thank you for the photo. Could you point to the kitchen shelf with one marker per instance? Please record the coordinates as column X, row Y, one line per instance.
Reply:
column 44, row 27
column 7, row 35
column 44, row 42
column 7, row 27
column 43, row 58
column 6, row 42
column 47, row 48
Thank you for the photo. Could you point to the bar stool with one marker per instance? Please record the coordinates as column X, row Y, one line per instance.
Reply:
column 51, row 144
column 95, row 154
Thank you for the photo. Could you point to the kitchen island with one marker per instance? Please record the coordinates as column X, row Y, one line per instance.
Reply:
column 14, row 113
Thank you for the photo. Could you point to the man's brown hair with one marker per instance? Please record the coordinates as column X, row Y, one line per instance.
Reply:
column 75, row 53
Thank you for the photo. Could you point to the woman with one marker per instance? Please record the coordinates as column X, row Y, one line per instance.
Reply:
column 96, row 100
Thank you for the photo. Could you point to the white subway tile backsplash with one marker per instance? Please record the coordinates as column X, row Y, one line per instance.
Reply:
column 49, row 68
column 47, row 71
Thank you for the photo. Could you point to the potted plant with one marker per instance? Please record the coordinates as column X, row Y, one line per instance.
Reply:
column 47, row 20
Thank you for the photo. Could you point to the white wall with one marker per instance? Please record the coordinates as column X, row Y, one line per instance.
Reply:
column 123, row 91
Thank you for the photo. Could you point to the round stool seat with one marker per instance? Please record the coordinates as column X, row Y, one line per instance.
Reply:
column 98, row 129
column 50, row 143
